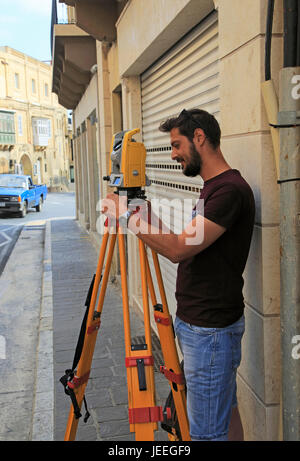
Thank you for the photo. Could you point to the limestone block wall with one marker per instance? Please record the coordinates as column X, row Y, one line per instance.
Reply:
column 247, row 145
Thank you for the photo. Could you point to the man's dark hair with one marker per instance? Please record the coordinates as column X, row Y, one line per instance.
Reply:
column 188, row 120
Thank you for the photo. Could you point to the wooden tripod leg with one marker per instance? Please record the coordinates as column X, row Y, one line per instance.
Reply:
column 92, row 328
column 143, row 414
column 172, row 369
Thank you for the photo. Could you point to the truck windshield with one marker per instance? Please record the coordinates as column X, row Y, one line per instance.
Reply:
column 6, row 181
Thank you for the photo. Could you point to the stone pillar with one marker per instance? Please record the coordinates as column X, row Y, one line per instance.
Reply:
column 104, row 112
column 91, row 152
column 132, row 118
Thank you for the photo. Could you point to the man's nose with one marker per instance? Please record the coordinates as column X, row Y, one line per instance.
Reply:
column 173, row 155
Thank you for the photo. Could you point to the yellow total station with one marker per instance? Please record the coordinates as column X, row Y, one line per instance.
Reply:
column 127, row 162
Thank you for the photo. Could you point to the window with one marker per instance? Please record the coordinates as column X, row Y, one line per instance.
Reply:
column 20, row 126
column 33, row 85
column 17, row 81
column 46, row 90
column 41, row 131
column 7, row 127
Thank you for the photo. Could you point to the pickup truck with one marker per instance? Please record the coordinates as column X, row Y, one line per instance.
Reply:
column 18, row 193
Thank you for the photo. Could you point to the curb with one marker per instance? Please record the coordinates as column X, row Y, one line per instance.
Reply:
column 43, row 406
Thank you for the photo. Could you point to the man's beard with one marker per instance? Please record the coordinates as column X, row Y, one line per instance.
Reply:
column 193, row 167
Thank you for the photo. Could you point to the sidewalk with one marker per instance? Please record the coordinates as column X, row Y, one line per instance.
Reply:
column 72, row 264
column 22, row 328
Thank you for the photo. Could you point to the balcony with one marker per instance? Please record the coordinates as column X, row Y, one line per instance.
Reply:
column 97, row 17
column 41, row 129
column 73, row 55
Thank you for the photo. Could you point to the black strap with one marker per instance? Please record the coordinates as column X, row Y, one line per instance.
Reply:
column 80, row 341
column 69, row 374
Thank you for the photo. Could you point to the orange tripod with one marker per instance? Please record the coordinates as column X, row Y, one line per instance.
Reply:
column 143, row 413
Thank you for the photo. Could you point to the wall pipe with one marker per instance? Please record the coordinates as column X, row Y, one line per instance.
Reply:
column 298, row 40
column 285, row 130
column 268, row 42
column 290, row 12
column 289, row 168
column 268, row 89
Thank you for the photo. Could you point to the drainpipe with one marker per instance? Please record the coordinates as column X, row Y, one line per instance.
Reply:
column 289, row 181
column 268, row 90
column 284, row 120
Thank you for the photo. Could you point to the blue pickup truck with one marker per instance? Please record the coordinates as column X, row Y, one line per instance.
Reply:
column 18, row 193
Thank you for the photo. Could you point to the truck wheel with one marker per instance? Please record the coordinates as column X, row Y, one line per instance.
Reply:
column 40, row 205
column 24, row 211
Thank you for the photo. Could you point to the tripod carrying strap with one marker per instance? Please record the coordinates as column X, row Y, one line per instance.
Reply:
column 70, row 381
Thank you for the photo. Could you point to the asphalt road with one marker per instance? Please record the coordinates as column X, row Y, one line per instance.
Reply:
column 57, row 205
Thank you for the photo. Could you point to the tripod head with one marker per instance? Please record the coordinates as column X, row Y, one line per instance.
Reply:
column 127, row 165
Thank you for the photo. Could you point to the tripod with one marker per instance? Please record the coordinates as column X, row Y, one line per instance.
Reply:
column 143, row 413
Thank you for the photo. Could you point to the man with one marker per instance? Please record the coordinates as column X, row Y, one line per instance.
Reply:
column 209, row 319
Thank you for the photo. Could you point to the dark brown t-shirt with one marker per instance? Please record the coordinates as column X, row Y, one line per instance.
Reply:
column 209, row 285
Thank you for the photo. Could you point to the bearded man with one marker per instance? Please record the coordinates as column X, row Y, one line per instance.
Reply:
column 209, row 320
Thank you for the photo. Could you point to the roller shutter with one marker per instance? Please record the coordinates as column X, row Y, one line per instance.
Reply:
column 186, row 77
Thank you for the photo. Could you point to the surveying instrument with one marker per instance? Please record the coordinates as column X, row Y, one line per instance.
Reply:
column 127, row 174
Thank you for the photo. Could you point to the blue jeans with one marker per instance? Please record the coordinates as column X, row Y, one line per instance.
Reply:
column 211, row 357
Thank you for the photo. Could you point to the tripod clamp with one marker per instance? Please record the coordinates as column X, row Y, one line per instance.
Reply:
column 70, row 382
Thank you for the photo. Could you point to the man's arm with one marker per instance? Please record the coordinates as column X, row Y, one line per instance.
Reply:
column 199, row 234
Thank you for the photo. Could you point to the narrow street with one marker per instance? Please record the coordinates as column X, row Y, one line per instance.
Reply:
column 22, row 287
column 57, row 205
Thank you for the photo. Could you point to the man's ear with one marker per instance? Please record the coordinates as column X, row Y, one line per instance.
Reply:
column 199, row 136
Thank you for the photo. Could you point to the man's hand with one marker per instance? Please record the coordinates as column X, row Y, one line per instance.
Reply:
column 113, row 206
